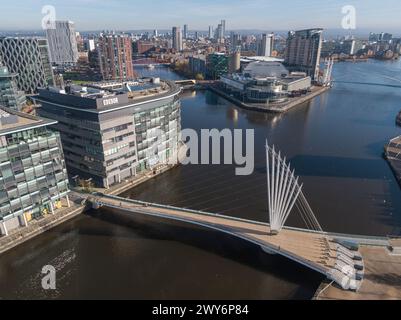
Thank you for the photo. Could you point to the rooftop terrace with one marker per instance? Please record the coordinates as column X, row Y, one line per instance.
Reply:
column 12, row 121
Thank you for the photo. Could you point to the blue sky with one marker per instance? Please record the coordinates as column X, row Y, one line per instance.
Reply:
column 240, row 14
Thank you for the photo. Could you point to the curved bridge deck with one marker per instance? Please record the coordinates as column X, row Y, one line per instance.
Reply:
column 314, row 250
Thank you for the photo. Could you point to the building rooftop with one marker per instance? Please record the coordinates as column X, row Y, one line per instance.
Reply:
column 38, row 37
column 109, row 95
column 307, row 32
column 261, row 58
column 263, row 69
column 12, row 121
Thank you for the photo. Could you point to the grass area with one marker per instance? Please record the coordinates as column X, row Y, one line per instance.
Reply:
column 79, row 82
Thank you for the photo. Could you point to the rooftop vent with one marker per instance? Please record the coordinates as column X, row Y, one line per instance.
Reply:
column 7, row 118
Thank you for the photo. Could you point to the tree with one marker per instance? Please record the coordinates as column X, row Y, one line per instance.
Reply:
column 199, row 77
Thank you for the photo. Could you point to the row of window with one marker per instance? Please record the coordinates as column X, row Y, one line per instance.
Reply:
column 124, row 156
column 32, row 186
column 116, row 149
column 35, row 161
column 27, row 148
column 23, row 136
column 118, row 128
column 35, row 199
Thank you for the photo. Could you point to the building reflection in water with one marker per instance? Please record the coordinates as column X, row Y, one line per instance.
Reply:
column 232, row 114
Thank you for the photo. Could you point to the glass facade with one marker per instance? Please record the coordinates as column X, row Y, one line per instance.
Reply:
column 29, row 59
column 157, row 134
column 32, row 173
column 10, row 97
column 110, row 145
column 216, row 65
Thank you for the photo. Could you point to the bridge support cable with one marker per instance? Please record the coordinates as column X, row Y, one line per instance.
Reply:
column 229, row 196
column 303, row 216
column 201, row 192
column 284, row 192
column 316, row 224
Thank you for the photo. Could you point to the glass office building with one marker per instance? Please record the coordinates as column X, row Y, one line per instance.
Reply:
column 216, row 65
column 157, row 134
column 10, row 96
column 111, row 131
column 28, row 57
column 33, row 177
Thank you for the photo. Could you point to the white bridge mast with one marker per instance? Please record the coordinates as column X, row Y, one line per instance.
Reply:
column 284, row 192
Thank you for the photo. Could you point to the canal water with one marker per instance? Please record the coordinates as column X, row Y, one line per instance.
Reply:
column 335, row 143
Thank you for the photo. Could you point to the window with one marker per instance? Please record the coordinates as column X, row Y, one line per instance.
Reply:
column 3, row 155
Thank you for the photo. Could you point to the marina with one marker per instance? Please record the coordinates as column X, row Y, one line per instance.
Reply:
column 364, row 193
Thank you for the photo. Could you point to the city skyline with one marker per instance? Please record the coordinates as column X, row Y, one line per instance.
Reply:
column 101, row 14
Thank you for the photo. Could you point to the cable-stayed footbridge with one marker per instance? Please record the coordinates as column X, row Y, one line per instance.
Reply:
column 335, row 256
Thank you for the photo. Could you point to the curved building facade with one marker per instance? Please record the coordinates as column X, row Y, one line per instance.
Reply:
column 113, row 131
column 29, row 59
column 264, row 82
column 33, row 177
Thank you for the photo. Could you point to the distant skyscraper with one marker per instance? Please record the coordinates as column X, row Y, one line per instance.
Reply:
column 115, row 57
column 219, row 34
column 373, row 37
column 177, row 39
column 386, row 37
column 235, row 40
column 303, row 51
column 29, row 59
column 62, row 43
column 80, row 42
column 210, row 32
column 266, row 45
column 185, row 35
column 223, row 27
column 89, row 45
column 155, row 33
column 10, row 97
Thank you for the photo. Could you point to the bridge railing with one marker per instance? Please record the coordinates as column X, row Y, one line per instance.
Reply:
column 361, row 239
column 268, row 246
column 162, row 206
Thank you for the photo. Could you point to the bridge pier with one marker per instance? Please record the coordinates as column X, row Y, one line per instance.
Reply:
column 268, row 251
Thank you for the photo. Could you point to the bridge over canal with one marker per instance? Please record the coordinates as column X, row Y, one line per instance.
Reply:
column 335, row 256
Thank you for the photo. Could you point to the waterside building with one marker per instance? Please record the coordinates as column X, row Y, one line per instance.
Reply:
column 33, row 176
column 113, row 131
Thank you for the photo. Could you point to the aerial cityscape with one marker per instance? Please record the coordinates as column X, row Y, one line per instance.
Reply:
column 200, row 150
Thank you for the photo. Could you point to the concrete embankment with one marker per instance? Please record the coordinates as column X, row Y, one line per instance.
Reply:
column 274, row 108
column 21, row 235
